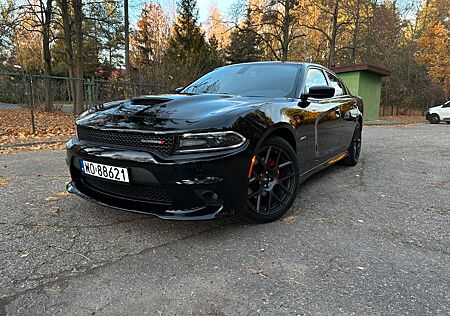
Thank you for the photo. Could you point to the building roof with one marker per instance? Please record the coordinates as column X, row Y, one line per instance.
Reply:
column 383, row 72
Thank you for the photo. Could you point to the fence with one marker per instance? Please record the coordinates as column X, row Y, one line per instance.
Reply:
column 23, row 90
column 19, row 90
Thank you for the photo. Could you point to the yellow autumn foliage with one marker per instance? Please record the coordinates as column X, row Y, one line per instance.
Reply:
column 434, row 54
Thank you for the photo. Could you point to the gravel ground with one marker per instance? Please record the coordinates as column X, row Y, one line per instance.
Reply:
column 373, row 240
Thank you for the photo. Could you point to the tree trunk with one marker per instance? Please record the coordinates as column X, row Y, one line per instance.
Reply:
column 47, row 12
column 127, row 38
column 79, row 65
column 69, row 49
column 356, row 31
column 285, row 43
column 331, row 56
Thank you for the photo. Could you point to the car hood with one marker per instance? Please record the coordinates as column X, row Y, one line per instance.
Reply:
column 168, row 110
column 435, row 107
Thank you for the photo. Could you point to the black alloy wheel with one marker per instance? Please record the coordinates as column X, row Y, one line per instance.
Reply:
column 434, row 119
column 354, row 150
column 273, row 181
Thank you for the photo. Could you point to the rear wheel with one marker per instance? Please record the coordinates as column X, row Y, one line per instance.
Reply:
column 273, row 181
column 434, row 119
column 354, row 149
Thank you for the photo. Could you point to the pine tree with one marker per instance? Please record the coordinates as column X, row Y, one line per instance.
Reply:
column 245, row 44
column 187, row 48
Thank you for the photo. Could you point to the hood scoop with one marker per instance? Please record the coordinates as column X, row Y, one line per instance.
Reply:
column 149, row 101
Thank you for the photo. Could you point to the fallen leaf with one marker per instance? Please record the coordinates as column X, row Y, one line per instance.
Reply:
column 289, row 219
column 3, row 181
column 54, row 211
column 47, row 224
column 15, row 128
column 58, row 196
column 322, row 220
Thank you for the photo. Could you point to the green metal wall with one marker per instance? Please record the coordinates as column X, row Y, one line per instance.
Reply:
column 368, row 86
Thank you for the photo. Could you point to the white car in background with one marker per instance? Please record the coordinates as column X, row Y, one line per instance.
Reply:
column 439, row 113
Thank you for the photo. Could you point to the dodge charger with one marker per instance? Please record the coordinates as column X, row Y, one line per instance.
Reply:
column 237, row 141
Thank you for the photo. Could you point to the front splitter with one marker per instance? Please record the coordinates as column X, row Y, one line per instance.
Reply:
column 208, row 212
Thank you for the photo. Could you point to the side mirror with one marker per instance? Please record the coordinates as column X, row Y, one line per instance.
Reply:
column 319, row 92
column 179, row 89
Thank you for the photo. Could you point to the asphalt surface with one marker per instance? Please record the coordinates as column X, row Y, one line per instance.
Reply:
column 372, row 240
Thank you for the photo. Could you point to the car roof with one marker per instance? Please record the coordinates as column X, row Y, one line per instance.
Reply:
column 301, row 64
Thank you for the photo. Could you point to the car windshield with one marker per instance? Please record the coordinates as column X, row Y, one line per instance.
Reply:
column 249, row 80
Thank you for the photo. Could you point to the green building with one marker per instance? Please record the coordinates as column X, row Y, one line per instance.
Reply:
column 365, row 81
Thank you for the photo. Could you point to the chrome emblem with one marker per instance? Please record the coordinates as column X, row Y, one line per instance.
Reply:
column 153, row 141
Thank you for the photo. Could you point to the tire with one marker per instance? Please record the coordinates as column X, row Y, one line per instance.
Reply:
column 354, row 150
column 434, row 119
column 273, row 181
column 448, row 122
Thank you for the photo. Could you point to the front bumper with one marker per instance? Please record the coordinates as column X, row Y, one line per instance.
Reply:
column 184, row 187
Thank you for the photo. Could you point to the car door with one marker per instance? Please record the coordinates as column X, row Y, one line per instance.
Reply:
column 327, row 120
column 445, row 111
column 346, row 110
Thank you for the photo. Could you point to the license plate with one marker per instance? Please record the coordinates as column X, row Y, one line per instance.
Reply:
column 104, row 171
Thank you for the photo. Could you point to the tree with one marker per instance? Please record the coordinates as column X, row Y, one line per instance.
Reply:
column 383, row 37
column 187, row 48
column 218, row 29
column 149, row 39
column 106, row 28
column 434, row 53
column 127, row 37
column 7, row 19
column 245, row 44
column 26, row 43
column 67, row 26
column 78, row 56
column 37, row 17
column 277, row 25
column 327, row 20
column 357, row 13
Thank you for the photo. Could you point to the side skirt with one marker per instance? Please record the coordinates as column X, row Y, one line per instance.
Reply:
column 322, row 166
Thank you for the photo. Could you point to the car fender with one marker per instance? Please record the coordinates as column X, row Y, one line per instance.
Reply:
column 435, row 110
column 274, row 129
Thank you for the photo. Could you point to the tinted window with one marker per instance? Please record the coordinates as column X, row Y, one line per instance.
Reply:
column 339, row 88
column 258, row 80
column 315, row 77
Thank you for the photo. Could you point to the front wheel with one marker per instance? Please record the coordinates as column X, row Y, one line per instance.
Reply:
column 273, row 181
column 434, row 119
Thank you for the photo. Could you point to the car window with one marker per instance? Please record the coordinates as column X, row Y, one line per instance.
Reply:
column 339, row 88
column 446, row 104
column 315, row 77
column 249, row 80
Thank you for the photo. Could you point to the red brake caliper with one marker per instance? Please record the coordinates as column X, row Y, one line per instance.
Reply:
column 270, row 165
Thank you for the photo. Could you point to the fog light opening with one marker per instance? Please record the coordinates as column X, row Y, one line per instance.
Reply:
column 210, row 196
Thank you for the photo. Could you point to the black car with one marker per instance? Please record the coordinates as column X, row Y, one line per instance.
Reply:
column 239, row 140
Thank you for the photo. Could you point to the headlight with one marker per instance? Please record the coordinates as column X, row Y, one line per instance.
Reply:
column 195, row 142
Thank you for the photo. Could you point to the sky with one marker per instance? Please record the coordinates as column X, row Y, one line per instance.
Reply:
column 203, row 6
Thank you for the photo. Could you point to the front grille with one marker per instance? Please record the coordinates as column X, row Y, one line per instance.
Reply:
column 134, row 192
column 162, row 143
